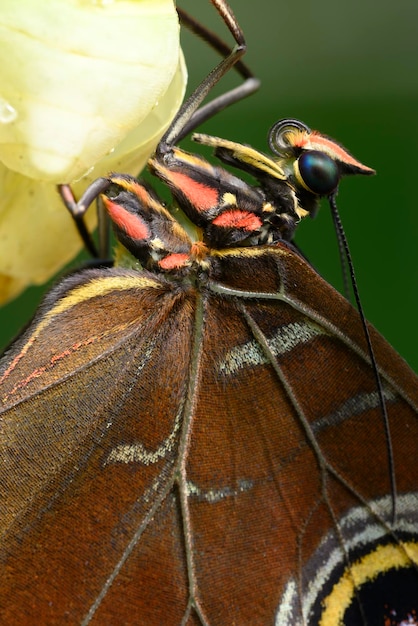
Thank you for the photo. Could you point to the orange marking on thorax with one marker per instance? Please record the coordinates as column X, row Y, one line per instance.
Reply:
column 238, row 219
column 133, row 225
column 202, row 197
column 199, row 250
column 174, row 261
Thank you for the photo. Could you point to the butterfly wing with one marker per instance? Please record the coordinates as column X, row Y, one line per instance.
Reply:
column 289, row 450
column 101, row 388
column 191, row 470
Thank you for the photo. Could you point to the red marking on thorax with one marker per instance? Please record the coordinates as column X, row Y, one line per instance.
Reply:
column 238, row 219
column 202, row 197
column 133, row 225
column 174, row 261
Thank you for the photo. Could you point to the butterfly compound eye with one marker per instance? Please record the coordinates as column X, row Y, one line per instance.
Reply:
column 317, row 172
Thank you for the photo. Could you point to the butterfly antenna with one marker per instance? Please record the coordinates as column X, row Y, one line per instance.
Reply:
column 347, row 282
column 348, row 264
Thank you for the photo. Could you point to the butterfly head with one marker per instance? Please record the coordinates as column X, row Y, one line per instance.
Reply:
column 314, row 162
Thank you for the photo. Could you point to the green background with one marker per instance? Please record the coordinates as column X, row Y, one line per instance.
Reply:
column 349, row 70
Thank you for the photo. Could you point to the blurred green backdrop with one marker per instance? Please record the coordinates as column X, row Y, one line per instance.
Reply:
column 349, row 70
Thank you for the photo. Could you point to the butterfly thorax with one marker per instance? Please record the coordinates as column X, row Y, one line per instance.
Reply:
column 225, row 211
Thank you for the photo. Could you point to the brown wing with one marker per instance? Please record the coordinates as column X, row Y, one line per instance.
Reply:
column 91, row 382
column 290, row 494
column 198, row 458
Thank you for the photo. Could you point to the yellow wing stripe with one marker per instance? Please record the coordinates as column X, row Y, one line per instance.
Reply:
column 95, row 288
column 366, row 569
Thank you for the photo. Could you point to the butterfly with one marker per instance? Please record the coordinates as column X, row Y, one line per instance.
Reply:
column 200, row 438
